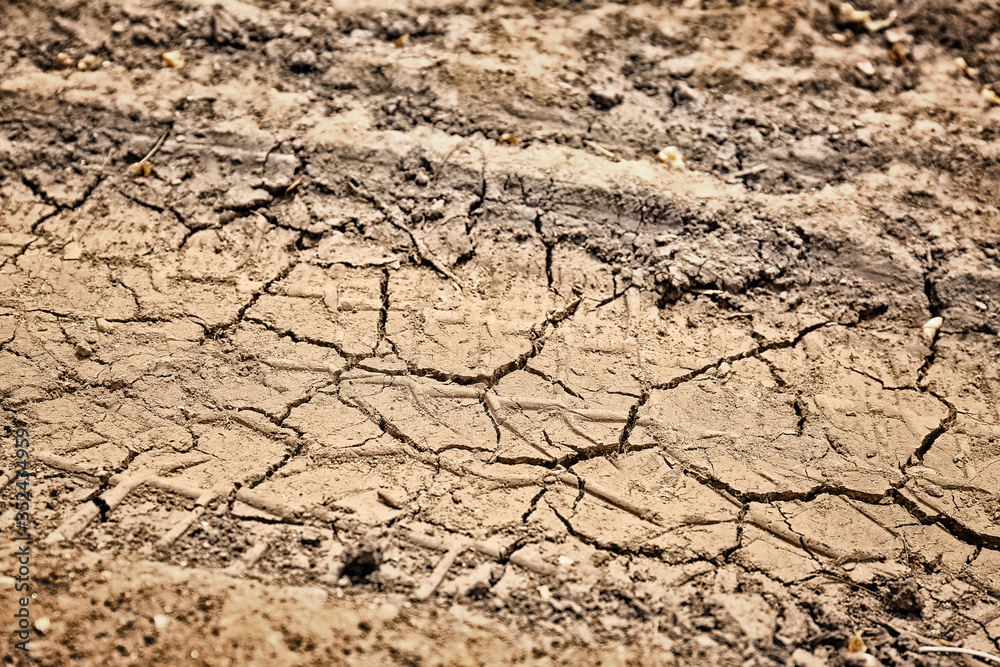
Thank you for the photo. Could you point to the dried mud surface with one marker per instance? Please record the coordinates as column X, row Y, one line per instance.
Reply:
column 350, row 378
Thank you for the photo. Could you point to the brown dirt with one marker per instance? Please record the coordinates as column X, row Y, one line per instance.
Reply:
column 348, row 379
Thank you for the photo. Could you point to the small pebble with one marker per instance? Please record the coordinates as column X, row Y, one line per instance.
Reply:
column 303, row 60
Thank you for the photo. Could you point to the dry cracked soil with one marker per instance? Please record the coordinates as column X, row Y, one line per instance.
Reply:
column 374, row 332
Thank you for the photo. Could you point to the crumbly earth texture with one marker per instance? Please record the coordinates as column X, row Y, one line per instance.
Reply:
column 366, row 332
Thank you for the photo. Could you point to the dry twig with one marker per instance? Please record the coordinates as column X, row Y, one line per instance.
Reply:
column 600, row 149
column 982, row 655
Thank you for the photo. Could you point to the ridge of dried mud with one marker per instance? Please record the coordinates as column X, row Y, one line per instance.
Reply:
column 347, row 380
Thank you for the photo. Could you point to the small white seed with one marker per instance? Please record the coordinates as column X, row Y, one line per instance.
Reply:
column 173, row 59
column 931, row 327
column 671, row 155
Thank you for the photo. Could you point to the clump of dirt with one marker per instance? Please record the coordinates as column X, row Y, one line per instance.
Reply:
column 904, row 597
